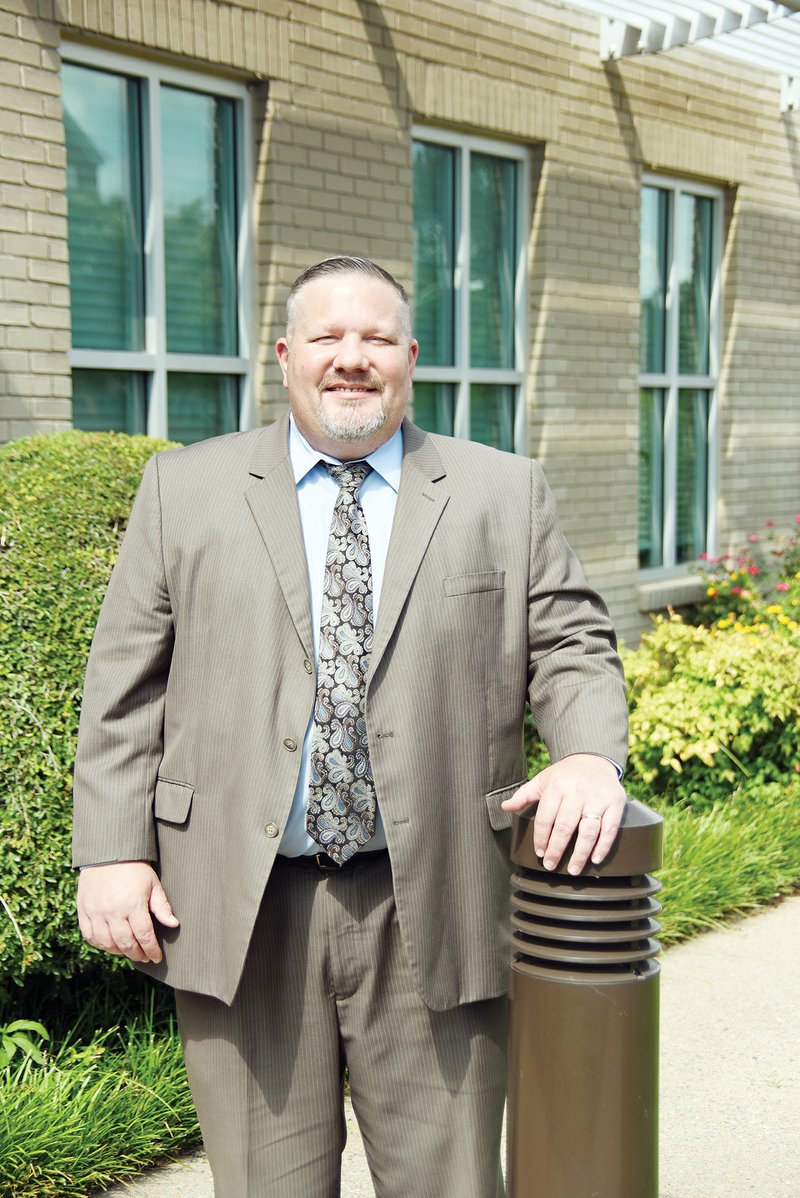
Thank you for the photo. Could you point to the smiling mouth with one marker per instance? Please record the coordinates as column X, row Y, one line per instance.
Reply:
column 346, row 390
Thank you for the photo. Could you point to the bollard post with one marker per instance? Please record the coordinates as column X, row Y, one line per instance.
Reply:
column 583, row 1019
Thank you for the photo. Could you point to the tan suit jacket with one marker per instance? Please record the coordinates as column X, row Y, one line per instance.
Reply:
column 200, row 686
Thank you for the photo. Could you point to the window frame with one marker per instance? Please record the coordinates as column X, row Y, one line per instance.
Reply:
column 154, row 360
column 671, row 381
column 462, row 374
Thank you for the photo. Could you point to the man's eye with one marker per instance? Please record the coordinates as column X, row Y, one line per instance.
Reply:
column 329, row 339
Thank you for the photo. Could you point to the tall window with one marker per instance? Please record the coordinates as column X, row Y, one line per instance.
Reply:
column 679, row 297
column 156, row 186
column 469, row 287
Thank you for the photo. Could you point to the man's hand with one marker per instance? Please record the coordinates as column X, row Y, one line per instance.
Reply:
column 581, row 791
column 115, row 903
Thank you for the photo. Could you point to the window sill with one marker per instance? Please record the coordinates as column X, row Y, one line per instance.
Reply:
column 655, row 594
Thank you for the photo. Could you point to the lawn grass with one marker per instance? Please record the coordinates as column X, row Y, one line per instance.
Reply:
column 725, row 861
column 95, row 1112
column 109, row 1103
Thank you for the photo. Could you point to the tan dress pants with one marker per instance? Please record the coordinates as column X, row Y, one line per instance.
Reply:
column 327, row 985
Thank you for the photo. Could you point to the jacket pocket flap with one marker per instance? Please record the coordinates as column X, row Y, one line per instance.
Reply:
column 173, row 801
column 468, row 584
column 498, row 818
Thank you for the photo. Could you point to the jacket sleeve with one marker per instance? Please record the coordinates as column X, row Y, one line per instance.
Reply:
column 575, row 680
column 120, row 738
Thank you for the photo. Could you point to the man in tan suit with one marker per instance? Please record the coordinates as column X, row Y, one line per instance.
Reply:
column 322, row 874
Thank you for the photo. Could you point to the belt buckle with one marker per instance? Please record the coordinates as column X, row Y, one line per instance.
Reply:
column 325, row 865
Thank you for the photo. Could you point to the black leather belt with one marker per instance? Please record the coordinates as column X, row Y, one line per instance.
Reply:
column 321, row 863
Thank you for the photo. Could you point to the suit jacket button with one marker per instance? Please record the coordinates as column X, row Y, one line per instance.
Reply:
column 290, row 744
column 307, row 666
column 271, row 829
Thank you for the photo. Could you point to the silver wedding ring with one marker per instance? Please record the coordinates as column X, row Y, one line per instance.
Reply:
column 591, row 815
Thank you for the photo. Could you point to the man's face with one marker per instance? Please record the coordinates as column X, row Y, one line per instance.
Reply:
column 347, row 364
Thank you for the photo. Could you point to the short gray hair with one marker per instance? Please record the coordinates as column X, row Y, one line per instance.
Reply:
column 346, row 264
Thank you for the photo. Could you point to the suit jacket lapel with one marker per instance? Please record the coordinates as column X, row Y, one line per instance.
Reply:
column 420, row 502
column 273, row 502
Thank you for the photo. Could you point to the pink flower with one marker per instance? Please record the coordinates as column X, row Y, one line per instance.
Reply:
column 753, row 537
column 769, row 523
column 736, row 590
column 782, row 586
column 797, row 518
column 702, row 557
column 754, row 570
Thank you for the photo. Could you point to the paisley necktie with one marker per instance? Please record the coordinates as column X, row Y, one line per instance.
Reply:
column 341, row 792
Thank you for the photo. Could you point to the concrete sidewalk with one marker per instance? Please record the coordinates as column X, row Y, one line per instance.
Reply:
column 730, row 1073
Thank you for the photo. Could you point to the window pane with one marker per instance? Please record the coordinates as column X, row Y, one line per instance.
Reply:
column 651, row 476
column 201, row 405
column 109, row 401
column 434, row 406
column 199, row 180
column 694, row 262
column 491, row 415
column 692, row 488
column 653, row 279
column 434, row 252
column 493, row 225
column 102, row 130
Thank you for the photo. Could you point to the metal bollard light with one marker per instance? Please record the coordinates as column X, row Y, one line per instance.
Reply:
column 583, row 1019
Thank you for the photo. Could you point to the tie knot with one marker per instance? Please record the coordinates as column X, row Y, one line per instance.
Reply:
column 349, row 475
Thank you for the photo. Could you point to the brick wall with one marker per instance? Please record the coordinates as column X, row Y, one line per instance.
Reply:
column 337, row 86
column 34, row 278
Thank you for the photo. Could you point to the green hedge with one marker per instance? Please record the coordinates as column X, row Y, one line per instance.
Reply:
column 64, row 504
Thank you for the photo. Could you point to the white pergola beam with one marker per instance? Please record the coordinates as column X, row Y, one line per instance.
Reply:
column 761, row 33
column 790, row 94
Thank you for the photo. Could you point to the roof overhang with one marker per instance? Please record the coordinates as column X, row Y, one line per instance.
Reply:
column 756, row 32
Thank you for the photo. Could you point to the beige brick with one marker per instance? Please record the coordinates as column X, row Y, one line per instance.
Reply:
column 14, row 407
column 52, row 409
column 26, row 428
column 10, row 74
column 39, row 80
column 14, row 267
column 25, row 291
column 10, row 122
column 11, row 171
column 14, row 314
column 48, row 317
column 43, row 129
column 61, row 384
column 38, row 386
column 45, row 178
column 14, row 50
column 56, row 203
column 47, row 225
column 44, row 33
column 23, row 149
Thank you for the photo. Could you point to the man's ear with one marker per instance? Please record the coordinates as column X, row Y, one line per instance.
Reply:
column 282, row 351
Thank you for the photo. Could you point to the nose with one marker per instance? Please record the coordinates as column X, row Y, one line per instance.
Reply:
column 351, row 355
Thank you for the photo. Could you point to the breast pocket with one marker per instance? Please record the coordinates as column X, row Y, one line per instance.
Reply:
column 474, row 584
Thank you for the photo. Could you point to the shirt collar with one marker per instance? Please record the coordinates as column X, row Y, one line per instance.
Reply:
column 387, row 460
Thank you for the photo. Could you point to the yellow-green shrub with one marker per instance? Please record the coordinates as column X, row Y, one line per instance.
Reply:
column 64, row 504
column 711, row 707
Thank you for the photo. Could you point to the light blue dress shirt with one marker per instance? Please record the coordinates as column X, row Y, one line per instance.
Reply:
column 316, row 495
